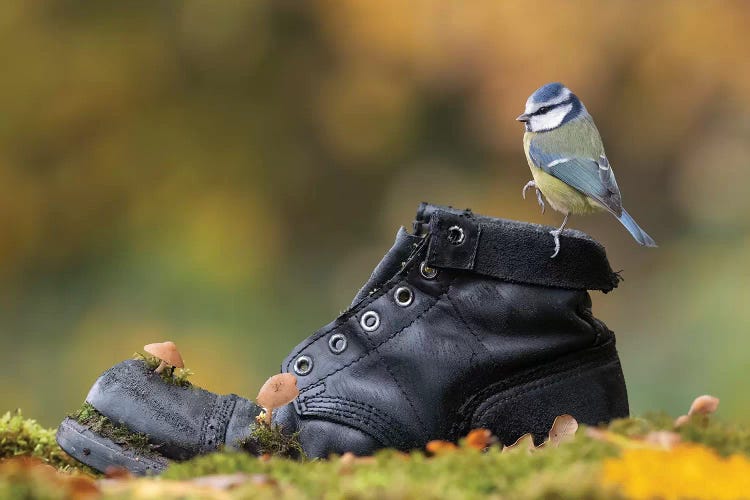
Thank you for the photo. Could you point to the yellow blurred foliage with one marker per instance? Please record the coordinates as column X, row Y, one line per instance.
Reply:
column 687, row 471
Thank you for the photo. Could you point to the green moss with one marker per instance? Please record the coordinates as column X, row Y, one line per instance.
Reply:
column 465, row 473
column 172, row 375
column 25, row 437
column 89, row 416
column 268, row 439
column 570, row 471
column 724, row 437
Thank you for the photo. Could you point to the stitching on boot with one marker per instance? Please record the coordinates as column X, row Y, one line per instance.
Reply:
column 218, row 417
column 391, row 337
column 322, row 378
column 403, row 392
column 346, row 418
column 371, row 411
column 372, row 421
column 219, row 434
column 463, row 320
column 386, row 365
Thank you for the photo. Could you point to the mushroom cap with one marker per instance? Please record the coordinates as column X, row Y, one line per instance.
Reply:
column 278, row 391
column 167, row 352
column 704, row 405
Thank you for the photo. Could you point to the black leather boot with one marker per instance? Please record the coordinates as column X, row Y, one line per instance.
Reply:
column 466, row 323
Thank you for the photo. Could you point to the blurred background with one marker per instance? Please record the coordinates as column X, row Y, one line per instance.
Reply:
column 227, row 174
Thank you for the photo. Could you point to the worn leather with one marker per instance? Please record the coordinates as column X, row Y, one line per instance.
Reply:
column 501, row 337
column 182, row 421
column 499, row 309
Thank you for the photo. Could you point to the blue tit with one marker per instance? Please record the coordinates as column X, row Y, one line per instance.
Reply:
column 567, row 160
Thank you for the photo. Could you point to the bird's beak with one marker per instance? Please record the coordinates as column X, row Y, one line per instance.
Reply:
column 523, row 118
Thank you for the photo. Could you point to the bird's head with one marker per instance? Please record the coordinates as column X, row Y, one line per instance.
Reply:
column 549, row 107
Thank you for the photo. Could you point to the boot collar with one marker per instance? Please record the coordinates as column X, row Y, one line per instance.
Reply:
column 512, row 251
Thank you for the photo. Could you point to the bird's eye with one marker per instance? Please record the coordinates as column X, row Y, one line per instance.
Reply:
column 543, row 109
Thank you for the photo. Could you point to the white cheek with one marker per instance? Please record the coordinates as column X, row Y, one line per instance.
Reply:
column 551, row 119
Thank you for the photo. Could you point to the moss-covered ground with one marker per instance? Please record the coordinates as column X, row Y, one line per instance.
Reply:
column 631, row 458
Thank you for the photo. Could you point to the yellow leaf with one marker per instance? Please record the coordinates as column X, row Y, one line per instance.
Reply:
column 687, row 471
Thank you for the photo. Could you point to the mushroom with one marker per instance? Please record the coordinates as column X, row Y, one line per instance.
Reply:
column 278, row 391
column 704, row 405
column 166, row 352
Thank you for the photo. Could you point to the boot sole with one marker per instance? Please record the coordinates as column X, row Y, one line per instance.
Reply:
column 101, row 453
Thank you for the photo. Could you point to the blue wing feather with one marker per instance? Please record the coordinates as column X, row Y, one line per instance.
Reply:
column 592, row 177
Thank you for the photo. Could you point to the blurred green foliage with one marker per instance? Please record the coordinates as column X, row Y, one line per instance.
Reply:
column 225, row 174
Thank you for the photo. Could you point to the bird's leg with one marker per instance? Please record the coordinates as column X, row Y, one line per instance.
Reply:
column 538, row 193
column 556, row 235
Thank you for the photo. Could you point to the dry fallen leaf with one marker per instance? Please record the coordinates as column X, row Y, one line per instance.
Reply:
column 703, row 405
column 479, row 439
column 525, row 442
column 563, row 429
column 437, row 447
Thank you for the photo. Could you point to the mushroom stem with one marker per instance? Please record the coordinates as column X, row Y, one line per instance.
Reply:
column 161, row 367
column 269, row 414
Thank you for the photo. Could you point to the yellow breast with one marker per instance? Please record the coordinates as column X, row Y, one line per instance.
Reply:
column 562, row 197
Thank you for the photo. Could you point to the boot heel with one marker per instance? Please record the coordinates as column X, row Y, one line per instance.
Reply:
column 588, row 385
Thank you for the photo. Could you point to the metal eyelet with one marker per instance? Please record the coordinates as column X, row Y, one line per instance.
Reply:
column 456, row 235
column 427, row 272
column 370, row 321
column 403, row 296
column 337, row 343
column 303, row 365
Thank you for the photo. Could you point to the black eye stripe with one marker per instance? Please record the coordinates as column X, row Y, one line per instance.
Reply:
column 547, row 109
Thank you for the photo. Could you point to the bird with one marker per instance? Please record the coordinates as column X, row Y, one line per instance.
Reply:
column 567, row 161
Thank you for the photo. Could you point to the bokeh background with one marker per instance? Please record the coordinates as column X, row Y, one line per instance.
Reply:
column 227, row 174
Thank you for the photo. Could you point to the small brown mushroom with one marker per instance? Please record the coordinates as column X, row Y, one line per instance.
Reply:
column 704, row 405
column 278, row 391
column 166, row 352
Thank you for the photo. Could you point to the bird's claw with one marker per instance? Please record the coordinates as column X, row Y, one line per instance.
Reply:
column 539, row 198
column 538, row 193
column 556, row 235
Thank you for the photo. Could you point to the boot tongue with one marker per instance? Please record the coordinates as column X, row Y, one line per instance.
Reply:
column 390, row 264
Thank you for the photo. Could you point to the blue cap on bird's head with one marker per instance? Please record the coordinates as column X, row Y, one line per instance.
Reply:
column 549, row 92
column 549, row 107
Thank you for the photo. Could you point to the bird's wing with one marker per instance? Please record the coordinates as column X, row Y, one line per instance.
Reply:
column 591, row 176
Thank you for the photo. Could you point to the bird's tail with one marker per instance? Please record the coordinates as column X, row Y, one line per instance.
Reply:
column 638, row 233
